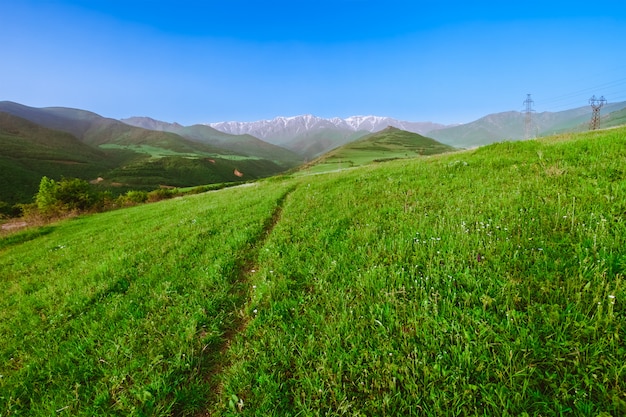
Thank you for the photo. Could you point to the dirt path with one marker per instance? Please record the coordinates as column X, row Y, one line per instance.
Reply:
column 247, row 266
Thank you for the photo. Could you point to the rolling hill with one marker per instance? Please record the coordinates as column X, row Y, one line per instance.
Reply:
column 96, row 130
column 58, row 142
column 388, row 144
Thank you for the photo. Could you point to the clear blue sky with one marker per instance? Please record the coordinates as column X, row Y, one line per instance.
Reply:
column 208, row 61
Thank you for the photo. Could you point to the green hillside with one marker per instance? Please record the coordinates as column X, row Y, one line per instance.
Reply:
column 95, row 130
column 483, row 282
column 185, row 172
column 241, row 144
column 388, row 144
column 29, row 151
column 62, row 142
column 616, row 118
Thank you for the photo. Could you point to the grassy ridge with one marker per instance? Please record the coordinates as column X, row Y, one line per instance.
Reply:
column 483, row 282
column 124, row 313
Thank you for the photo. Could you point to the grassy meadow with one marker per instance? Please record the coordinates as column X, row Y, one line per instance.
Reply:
column 484, row 282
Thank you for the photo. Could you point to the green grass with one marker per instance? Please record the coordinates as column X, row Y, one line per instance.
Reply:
column 124, row 313
column 486, row 282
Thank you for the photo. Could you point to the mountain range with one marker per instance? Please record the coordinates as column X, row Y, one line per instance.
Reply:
column 281, row 130
column 148, row 153
column 244, row 144
column 311, row 136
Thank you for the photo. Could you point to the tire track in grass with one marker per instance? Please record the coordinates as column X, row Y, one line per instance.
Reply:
column 245, row 266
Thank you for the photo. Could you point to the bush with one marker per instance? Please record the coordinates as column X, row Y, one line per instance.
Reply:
column 7, row 210
column 69, row 194
column 76, row 194
column 133, row 197
column 162, row 194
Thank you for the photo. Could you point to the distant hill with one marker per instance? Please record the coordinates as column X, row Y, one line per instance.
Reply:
column 96, row 130
column 616, row 118
column 511, row 126
column 388, row 144
column 241, row 144
column 58, row 142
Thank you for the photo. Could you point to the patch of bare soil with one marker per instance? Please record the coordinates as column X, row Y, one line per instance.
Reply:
column 13, row 225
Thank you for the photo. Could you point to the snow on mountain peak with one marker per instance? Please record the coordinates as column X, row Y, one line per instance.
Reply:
column 280, row 128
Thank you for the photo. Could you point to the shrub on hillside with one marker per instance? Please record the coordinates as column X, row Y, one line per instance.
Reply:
column 162, row 194
column 67, row 195
column 133, row 197
column 46, row 198
column 76, row 194
column 7, row 210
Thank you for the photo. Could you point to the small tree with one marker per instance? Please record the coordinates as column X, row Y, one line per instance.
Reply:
column 46, row 198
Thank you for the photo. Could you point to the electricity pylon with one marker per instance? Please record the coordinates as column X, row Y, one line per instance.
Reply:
column 528, row 121
column 596, row 105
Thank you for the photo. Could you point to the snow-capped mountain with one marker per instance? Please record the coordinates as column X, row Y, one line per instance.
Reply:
column 283, row 129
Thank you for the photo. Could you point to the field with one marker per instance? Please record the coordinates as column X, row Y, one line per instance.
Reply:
column 484, row 282
column 156, row 152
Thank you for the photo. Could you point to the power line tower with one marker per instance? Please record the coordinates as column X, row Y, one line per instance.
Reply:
column 596, row 105
column 528, row 119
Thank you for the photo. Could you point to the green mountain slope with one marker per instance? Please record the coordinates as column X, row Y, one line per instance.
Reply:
column 241, row 144
column 176, row 171
column 616, row 118
column 390, row 143
column 29, row 151
column 511, row 126
column 96, row 130
column 485, row 282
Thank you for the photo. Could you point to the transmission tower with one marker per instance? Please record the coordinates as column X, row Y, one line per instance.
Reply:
column 596, row 105
column 528, row 120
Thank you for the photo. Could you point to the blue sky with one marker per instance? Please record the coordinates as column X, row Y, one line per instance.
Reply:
column 208, row 61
